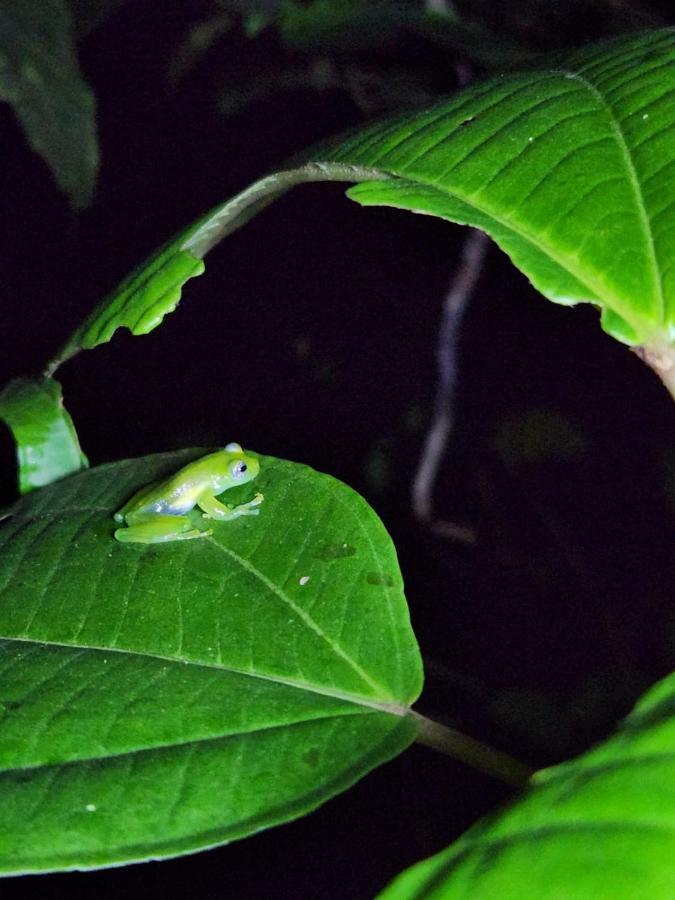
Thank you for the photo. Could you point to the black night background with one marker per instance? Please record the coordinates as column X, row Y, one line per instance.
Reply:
column 311, row 336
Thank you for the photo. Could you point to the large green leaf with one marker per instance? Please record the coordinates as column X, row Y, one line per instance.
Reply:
column 40, row 77
column 569, row 169
column 601, row 827
column 159, row 699
column 46, row 442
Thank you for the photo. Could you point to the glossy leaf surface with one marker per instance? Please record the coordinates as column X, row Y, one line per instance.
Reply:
column 602, row 825
column 569, row 168
column 47, row 447
column 40, row 78
column 159, row 699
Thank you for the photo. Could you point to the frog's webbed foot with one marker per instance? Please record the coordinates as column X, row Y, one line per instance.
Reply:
column 251, row 508
column 214, row 509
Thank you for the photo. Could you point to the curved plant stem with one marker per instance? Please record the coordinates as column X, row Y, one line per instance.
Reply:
column 459, row 293
column 238, row 210
column 151, row 282
column 467, row 750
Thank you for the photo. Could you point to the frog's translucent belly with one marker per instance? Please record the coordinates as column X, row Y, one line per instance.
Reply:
column 172, row 506
column 151, row 501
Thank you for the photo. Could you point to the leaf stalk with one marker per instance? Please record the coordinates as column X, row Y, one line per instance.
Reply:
column 472, row 752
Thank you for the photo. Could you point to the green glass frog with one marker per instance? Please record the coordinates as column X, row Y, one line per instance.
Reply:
column 157, row 513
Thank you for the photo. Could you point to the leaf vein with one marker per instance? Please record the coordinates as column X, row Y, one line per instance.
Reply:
column 302, row 615
column 643, row 214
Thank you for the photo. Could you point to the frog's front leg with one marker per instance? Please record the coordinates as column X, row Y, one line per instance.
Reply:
column 156, row 529
column 214, row 509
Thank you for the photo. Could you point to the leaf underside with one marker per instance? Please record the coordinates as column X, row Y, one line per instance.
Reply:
column 139, row 303
column 600, row 826
column 46, row 443
column 160, row 699
column 569, row 169
column 40, row 78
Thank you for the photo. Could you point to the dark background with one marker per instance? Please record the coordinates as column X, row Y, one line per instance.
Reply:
column 311, row 336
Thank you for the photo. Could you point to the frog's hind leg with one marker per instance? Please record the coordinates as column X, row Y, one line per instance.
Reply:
column 160, row 530
column 133, row 502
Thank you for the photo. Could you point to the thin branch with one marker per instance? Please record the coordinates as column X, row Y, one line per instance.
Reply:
column 467, row 750
column 460, row 292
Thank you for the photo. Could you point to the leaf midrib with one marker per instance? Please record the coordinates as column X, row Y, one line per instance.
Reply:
column 393, row 708
column 631, row 169
column 537, row 832
column 585, row 277
column 469, row 846
column 197, row 741
column 304, row 617
column 598, row 290
column 277, row 591
column 587, row 770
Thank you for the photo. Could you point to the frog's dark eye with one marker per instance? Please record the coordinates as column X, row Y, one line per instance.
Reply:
column 239, row 469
